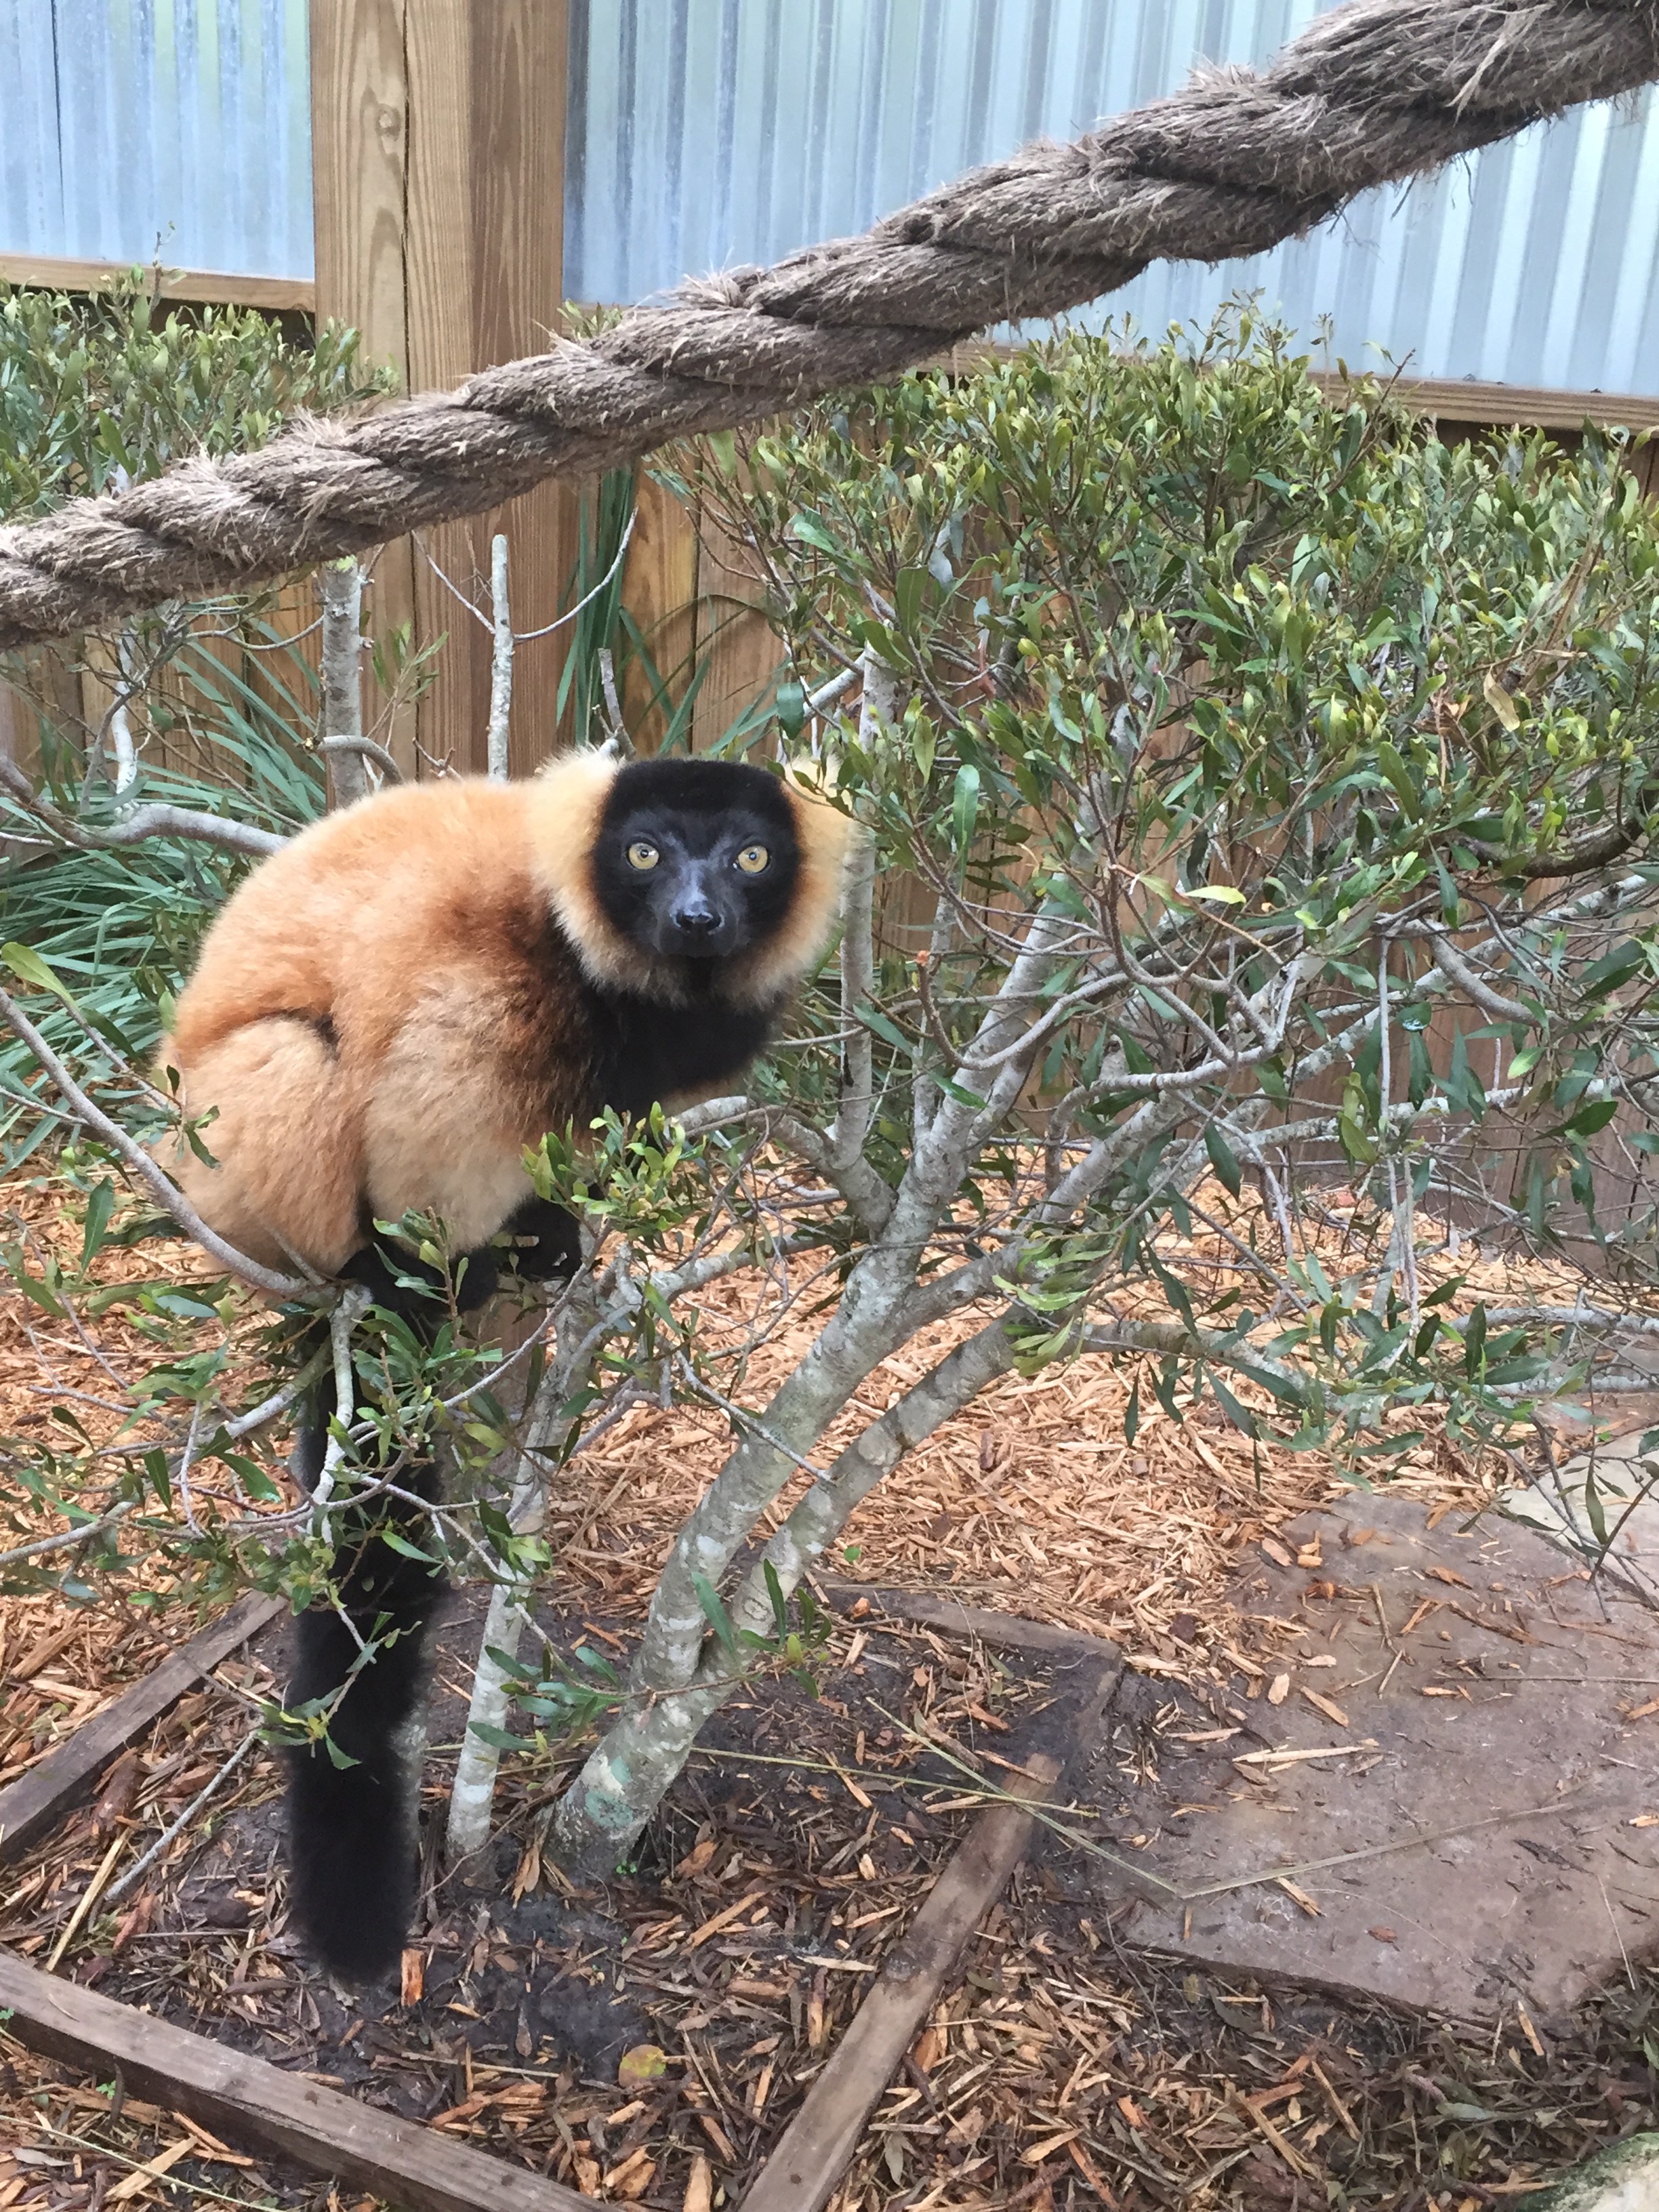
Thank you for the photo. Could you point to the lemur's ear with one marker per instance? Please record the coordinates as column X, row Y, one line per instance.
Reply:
column 823, row 814
column 813, row 779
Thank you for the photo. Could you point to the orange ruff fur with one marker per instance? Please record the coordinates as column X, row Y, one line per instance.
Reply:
column 384, row 1020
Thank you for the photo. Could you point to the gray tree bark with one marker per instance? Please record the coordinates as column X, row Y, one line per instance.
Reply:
column 340, row 587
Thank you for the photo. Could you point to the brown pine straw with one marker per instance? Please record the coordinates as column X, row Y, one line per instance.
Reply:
column 1371, row 92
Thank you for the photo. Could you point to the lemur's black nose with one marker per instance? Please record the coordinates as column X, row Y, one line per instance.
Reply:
column 696, row 920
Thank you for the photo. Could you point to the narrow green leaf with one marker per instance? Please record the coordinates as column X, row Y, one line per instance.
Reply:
column 775, row 1591
column 1451, row 905
column 965, row 808
column 396, row 1542
column 811, row 531
column 27, row 964
column 1287, row 1391
column 715, row 1614
column 160, row 1479
column 38, row 1294
column 498, row 1738
column 1222, row 1159
column 1240, row 1416
column 1474, row 1343
column 1589, row 1119
column 790, row 709
column 100, row 1206
column 1595, row 1510
column 1399, row 776
column 873, row 1018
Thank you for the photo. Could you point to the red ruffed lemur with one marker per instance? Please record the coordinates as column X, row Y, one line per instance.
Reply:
column 385, row 1015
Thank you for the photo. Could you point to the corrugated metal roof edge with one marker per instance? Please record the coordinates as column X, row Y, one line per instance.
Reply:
column 1452, row 399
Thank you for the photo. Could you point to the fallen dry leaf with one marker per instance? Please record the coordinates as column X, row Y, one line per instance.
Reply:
column 118, row 1792
column 1047, row 2147
column 644, row 2064
column 695, row 1859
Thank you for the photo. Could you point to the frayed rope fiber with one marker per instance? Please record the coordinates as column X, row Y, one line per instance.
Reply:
column 1375, row 91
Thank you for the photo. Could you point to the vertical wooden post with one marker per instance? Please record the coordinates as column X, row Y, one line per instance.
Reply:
column 359, row 136
column 438, row 156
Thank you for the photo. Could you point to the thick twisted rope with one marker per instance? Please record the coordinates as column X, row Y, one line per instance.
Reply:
column 1373, row 91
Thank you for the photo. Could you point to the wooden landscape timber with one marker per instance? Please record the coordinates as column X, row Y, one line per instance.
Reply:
column 31, row 1805
column 252, row 2100
column 804, row 2169
column 801, row 2173
column 1006, row 1632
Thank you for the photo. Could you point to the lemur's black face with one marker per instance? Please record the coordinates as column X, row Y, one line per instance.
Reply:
column 697, row 858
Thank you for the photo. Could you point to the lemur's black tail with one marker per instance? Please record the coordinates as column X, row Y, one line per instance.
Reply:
column 353, row 1829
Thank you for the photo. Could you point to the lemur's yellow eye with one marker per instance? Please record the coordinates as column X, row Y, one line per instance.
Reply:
column 753, row 859
column 641, row 855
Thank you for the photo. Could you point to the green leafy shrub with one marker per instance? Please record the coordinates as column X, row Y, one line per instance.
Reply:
column 99, row 388
column 97, row 391
column 1258, row 801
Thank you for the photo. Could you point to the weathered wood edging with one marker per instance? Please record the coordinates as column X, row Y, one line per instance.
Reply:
column 249, row 2100
column 803, row 2170
column 31, row 1806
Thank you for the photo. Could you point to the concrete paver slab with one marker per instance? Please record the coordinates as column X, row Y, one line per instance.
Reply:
column 1481, row 1827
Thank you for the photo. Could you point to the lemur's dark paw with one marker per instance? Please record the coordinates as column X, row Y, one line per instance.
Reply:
column 548, row 1242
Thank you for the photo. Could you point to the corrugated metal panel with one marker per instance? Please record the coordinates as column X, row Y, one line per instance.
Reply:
column 31, row 184
column 710, row 133
column 181, row 127
column 706, row 133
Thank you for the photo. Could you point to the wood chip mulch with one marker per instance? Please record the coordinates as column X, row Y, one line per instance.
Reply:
column 647, row 2042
